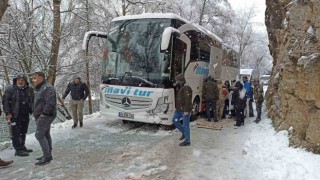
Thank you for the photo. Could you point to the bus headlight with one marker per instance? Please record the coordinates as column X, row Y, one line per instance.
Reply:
column 162, row 105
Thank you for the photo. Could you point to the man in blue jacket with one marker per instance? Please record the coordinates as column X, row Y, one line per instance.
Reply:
column 247, row 85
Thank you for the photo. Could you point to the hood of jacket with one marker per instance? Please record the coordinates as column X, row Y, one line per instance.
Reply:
column 20, row 75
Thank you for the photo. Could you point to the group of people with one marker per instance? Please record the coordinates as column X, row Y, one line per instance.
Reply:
column 242, row 98
column 20, row 100
column 221, row 100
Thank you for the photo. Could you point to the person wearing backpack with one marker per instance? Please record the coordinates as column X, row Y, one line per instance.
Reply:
column 239, row 100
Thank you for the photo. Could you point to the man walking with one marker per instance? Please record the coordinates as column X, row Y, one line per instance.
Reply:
column 210, row 93
column 258, row 98
column 17, row 105
column 45, row 111
column 183, row 107
column 79, row 93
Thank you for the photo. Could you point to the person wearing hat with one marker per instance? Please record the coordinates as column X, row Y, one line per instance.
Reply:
column 79, row 93
column 210, row 93
column 183, row 105
column 17, row 103
column 258, row 98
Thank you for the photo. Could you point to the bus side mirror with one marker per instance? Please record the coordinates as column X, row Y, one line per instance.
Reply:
column 166, row 36
column 88, row 36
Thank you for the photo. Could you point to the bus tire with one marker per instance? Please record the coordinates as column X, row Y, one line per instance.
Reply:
column 167, row 127
column 195, row 109
column 125, row 121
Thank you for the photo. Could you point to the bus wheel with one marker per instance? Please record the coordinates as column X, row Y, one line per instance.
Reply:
column 125, row 121
column 167, row 127
column 195, row 110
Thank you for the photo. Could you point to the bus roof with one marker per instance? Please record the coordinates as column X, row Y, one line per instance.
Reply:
column 167, row 16
column 150, row 15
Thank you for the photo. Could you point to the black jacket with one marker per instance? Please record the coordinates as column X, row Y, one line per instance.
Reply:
column 11, row 98
column 78, row 91
column 45, row 100
column 238, row 102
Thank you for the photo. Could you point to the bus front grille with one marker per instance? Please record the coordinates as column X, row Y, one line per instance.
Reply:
column 128, row 102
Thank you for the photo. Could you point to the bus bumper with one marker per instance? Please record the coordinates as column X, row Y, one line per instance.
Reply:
column 145, row 117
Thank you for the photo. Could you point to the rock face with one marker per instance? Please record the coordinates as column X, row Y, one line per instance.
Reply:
column 293, row 97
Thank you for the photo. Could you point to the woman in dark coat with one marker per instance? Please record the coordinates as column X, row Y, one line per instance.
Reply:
column 239, row 98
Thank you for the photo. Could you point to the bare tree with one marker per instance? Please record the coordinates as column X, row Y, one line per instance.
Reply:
column 87, row 61
column 55, row 43
column 243, row 32
column 3, row 6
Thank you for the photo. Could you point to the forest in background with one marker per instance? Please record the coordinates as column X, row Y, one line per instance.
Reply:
column 39, row 35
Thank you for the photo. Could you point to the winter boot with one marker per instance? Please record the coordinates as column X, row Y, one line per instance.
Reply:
column 182, row 137
column 5, row 163
column 44, row 161
column 39, row 158
column 74, row 125
column 81, row 124
column 27, row 150
column 21, row 153
column 257, row 121
column 185, row 143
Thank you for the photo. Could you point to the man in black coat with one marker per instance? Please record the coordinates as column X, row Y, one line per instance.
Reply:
column 45, row 111
column 79, row 93
column 239, row 99
column 17, row 103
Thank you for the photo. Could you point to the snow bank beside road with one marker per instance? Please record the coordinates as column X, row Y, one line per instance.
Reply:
column 269, row 151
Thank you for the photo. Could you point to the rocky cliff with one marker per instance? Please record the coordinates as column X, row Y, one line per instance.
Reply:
column 293, row 97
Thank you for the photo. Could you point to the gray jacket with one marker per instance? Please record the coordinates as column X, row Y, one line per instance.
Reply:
column 45, row 100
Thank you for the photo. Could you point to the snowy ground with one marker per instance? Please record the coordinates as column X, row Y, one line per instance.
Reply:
column 108, row 149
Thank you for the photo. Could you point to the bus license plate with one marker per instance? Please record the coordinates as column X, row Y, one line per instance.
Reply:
column 126, row 115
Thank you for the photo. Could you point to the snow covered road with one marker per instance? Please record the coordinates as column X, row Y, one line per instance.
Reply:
column 107, row 149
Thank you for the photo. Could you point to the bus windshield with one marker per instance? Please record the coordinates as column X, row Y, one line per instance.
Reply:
column 132, row 55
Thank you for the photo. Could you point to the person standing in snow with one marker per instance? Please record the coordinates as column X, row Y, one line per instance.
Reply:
column 223, row 95
column 5, row 163
column 226, row 102
column 17, row 103
column 183, row 105
column 239, row 99
column 247, row 85
column 45, row 111
column 210, row 93
column 258, row 98
column 251, row 114
column 79, row 93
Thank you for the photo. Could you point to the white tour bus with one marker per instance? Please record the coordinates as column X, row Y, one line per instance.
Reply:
column 142, row 56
